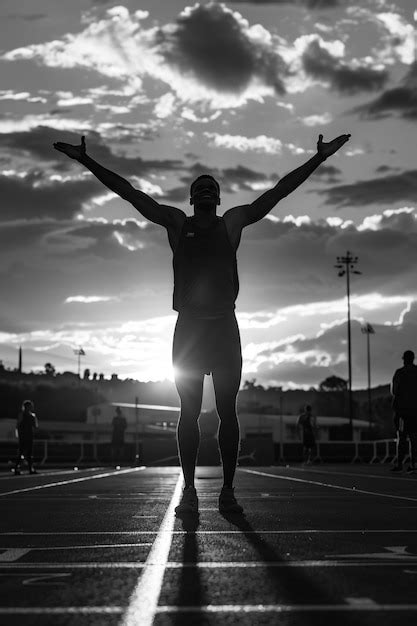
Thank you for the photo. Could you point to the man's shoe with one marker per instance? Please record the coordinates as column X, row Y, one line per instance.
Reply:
column 33, row 471
column 396, row 468
column 17, row 472
column 189, row 502
column 227, row 501
column 411, row 470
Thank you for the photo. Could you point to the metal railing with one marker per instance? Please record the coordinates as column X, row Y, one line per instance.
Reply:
column 84, row 451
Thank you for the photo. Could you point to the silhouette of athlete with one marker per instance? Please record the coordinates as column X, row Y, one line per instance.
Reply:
column 206, row 337
column 25, row 426
column 307, row 426
column 119, row 425
column 404, row 404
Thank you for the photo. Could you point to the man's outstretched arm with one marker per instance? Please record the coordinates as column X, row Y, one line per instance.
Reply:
column 147, row 206
column 250, row 213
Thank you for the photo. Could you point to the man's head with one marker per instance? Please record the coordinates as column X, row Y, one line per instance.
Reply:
column 205, row 192
column 408, row 357
column 308, row 408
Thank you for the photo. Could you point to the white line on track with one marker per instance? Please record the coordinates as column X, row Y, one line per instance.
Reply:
column 303, row 531
column 212, row 608
column 143, row 602
column 73, row 480
column 84, row 547
column 43, row 472
column 408, row 561
column 361, row 474
column 320, row 484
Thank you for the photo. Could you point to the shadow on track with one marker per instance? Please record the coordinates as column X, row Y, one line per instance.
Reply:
column 292, row 585
column 190, row 590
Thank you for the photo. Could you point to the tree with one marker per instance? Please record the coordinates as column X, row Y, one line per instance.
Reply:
column 86, row 374
column 49, row 369
column 333, row 383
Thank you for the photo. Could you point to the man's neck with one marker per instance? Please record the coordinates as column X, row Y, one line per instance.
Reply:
column 205, row 218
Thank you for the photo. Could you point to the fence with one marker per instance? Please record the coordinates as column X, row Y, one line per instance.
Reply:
column 154, row 451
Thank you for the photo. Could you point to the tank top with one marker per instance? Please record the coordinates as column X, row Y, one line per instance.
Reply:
column 206, row 282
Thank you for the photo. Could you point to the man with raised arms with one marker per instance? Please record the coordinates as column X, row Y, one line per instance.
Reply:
column 206, row 337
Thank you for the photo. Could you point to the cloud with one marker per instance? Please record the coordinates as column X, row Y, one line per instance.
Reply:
column 400, row 101
column 321, row 64
column 388, row 190
column 33, row 197
column 218, row 47
column 306, row 361
column 236, row 62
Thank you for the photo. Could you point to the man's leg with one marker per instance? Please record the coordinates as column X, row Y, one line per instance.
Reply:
column 226, row 386
column 413, row 445
column 402, row 447
column 190, row 391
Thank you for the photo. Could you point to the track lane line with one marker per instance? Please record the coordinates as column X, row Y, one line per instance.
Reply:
column 316, row 470
column 213, row 608
column 300, row 531
column 326, row 563
column 72, row 480
column 320, row 484
column 143, row 603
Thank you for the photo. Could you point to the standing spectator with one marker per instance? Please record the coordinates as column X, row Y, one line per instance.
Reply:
column 306, row 427
column 404, row 404
column 26, row 424
column 119, row 425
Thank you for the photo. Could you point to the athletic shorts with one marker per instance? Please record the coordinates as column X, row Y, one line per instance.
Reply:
column 203, row 345
column 309, row 440
column 406, row 420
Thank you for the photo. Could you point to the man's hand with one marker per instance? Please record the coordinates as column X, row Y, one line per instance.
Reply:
column 326, row 149
column 74, row 152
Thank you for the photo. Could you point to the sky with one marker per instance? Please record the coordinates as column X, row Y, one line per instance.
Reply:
column 164, row 91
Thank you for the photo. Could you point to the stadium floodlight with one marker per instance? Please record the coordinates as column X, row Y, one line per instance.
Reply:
column 368, row 330
column 79, row 352
column 346, row 265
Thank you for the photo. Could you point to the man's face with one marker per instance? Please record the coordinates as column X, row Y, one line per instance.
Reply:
column 205, row 193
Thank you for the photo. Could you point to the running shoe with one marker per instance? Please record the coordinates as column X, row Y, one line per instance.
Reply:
column 227, row 501
column 189, row 501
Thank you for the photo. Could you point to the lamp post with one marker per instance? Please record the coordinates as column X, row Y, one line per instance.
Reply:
column 80, row 352
column 346, row 265
column 367, row 330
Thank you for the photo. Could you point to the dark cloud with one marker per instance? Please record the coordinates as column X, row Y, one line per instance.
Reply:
column 33, row 197
column 38, row 142
column 395, row 188
column 230, row 179
column 331, row 173
column 320, row 64
column 211, row 43
column 400, row 101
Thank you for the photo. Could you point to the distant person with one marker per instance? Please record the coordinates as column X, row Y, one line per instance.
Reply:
column 119, row 425
column 404, row 404
column 206, row 285
column 25, row 427
column 307, row 427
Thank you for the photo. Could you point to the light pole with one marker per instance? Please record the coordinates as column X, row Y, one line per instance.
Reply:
column 346, row 265
column 367, row 330
column 80, row 352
